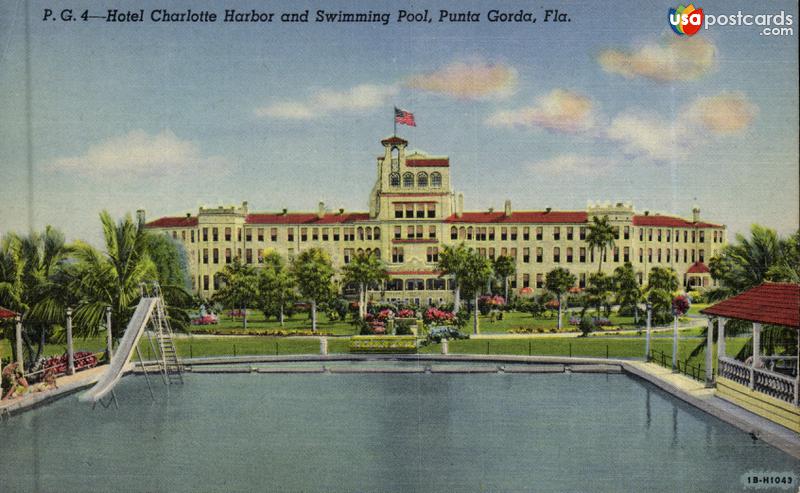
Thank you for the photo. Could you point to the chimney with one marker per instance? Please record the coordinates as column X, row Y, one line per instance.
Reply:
column 321, row 210
column 140, row 216
column 284, row 212
column 696, row 213
column 341, row 210
column 188, row 215
column 547, row 210
column 507, row 208
column 460, row 204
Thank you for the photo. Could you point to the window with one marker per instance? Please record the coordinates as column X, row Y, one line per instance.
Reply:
column 556, row 255
column 248, row 256
column 659, row 234
column 693, row 236
column 504, row 234
column 539, row 281
column 394, row 180
column 469, row 233
column 582, row 255
column 205, row 234
column 582, row 280
column 360, row 233
column 303, row 234
column 205, row 283
column 432, row 255
column 491, row 253
column 626, row 232
column 514, row 233
column 238, row 234
column 248, row 235
column 431, row 208
column 526, row 255
column 641, row 234
column 658, row 255
column 216, row 255
column 192, row 234
column 422, row 179
column 569, row 232
column 582, row 233
column 685, row 255
column 669, row 254
column 626, row 254
column 260, row 234
column 557, row 233
column 397, row 255
column 436, row 180
column 290, row 234
column 539, row 233
column 325, row 234
column 649, row 254
column 419, row 233
column 702, row 255
column 669, row 231
column 693, row 250
column 227, row 255
column 214, row 234
column 641, row 255
column 702, row 236
column 398, row 211
column 335, row 234
column 349, row 234
column 409, row 210
column 650, row 234
column 408, row 180
column 526, row 280
column 432, row 232
column 227, row 234
column 569, row 255
column 491, row 234
column 205, row 255
column 273, row 234
column 616, row 254
column 453, row 233
column 615, row 231
column 685, row 236
column 348, row 255
column 420, row 211
column 539, row 255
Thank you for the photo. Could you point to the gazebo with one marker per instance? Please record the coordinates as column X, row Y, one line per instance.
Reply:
column 759, row 384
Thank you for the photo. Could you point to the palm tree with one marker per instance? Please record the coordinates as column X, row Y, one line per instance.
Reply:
column 112, row 278
column 453, row 262
column 365, row 270
column 558, row 282
column 600, row 236
column 276, row 286
column 504, row 267
column 599, row 291
column 627, row 288
column 313, row 273
column 477, row 270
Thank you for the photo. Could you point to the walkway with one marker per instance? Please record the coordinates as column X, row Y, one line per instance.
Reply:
column 66, row 385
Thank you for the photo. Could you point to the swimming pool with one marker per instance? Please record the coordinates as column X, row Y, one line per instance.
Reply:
column 381, row 432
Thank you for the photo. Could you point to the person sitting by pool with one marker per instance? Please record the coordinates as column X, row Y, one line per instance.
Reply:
column 14, row 380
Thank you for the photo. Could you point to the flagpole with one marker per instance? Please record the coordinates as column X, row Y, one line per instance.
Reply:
column 394, row 119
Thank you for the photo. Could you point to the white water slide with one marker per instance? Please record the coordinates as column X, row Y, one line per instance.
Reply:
column 120, row 362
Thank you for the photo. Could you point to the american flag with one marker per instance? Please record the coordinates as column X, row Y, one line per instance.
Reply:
column 404, row 117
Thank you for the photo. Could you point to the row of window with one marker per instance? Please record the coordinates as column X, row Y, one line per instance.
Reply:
column 422, row 179
column 409, row 210
column 481, row 233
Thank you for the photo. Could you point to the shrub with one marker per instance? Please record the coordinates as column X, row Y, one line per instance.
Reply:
column 434, row 315
column 585, row 326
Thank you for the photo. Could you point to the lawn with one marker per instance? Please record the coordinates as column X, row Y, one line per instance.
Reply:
column 549, row 323
column 257, row 321
column 696, row 307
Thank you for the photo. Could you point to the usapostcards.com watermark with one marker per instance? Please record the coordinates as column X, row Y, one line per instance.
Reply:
column 687, row 20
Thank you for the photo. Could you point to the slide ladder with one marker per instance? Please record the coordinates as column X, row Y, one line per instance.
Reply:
column 149, row 318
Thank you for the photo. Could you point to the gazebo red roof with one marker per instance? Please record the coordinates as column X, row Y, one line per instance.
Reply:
column 698, row 268
column 775, row 303
column 6, row 313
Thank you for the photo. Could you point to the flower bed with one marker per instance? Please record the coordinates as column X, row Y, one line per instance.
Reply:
column 436, row 316
column 267, row 332
column 58, row 364
column 205, row 320
column 383, row 344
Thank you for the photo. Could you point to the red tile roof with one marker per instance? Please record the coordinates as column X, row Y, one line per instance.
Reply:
column 670, row 222
column 6, row 313
column 561, row 217
column 698, row 268
column 769, row 303
column 173, row 222
column 428, row 163
column 414, row 272
column 306, row 218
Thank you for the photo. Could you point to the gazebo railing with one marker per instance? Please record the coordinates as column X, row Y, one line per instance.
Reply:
column 767, row 382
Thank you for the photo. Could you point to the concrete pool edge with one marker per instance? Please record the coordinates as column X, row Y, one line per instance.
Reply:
column 678, row 386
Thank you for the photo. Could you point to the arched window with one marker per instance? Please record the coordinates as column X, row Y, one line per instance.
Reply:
column 377, row 252
column 394, row 179
column 422, row 179
column 360, row 233
column 436, row 180
column 376, row 233
column 453, row 233
column 408, row 180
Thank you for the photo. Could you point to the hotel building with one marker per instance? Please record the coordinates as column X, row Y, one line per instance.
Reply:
column 413, row 212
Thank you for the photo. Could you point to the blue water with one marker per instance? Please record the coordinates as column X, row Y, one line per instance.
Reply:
column 381, row 432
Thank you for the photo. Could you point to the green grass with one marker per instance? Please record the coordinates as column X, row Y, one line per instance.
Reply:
column 517, row 320
column 695, row 308
column 257, row 321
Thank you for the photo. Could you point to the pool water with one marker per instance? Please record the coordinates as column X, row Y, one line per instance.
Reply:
column 381, row 432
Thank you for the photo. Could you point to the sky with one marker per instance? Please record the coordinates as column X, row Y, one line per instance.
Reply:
column 609, row 106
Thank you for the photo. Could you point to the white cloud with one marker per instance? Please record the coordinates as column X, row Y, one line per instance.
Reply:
column 474, row 79
column 645, row 135
column 560, row 110
column 723, row 114
column 324, row 102
column 572, row 165
column 138, row 152
column 672, row 59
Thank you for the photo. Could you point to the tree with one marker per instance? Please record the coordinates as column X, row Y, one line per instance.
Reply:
column 453, row 262
column 628, row 291
column 748, row 262
column 313, row 273
column 504, row 267
column 238, row 287
column 364, row 270
column 662, row 283
column 169, row 257
column 276, row 288
column 30, row 269
column 558, row 282
column 477, row 270
column 600, row 236
column 598, row 292
column 663, row 278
